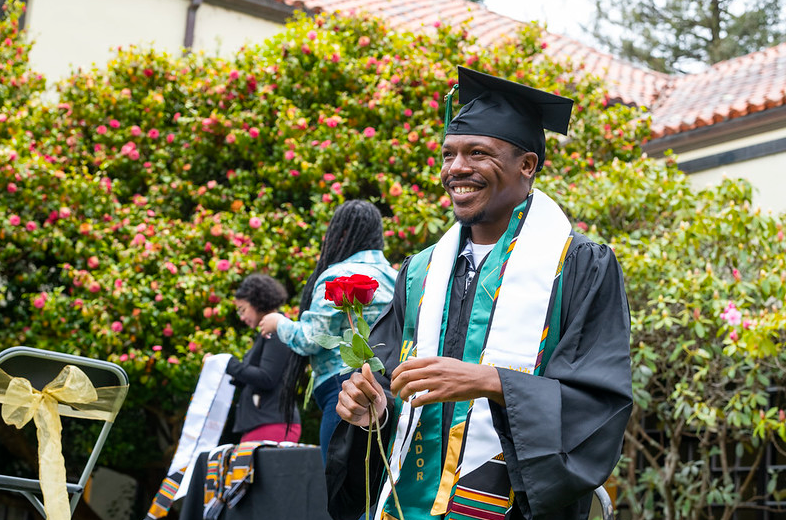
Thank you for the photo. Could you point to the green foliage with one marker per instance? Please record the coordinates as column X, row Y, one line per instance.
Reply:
column 676, row 36
column 131, row 208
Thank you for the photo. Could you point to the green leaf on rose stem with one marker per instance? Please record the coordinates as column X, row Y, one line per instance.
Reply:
column 363, row 344
column 346, row 370
column 363, row 328
column 376, row 365
column 327, row 341
column 359, row 347
column 348, row 335
column 349, row 357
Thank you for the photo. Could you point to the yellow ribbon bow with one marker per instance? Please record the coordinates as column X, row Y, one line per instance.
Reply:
column 22, row 402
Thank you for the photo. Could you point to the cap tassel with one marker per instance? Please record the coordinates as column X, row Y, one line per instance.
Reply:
column 449, row 108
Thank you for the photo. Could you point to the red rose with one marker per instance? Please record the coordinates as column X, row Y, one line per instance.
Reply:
column 357, row 288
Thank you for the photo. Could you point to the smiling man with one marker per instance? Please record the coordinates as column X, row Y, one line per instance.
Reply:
column 508, row 384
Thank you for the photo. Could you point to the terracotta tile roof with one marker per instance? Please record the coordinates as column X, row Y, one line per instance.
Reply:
column 727, row 90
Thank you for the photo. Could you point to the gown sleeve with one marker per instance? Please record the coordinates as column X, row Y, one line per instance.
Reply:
column 344, row 472
column 562, row 432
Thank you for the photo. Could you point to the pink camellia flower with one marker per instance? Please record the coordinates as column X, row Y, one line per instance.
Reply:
column 294, row 173
column 312, row 35
column 3, row 118
column 430, row 161
column 31, row 226
column 11, row 187
column 157, row 348
column 207, row 312
column 432, row 145
column 211, row 184
column 153, row 133
column 222, row 265
column 325, row 143
column 93, row 262
column 136, row 131
column 407, row 112
column 364, row 41
column 369, row 131
column 731, row 315
column 173, row 360
column 118, row 283
column 94, row 287
column 133, row 155
column 336, row 187
column 329, row 177
column 582, row 226
column 733, row 335
column 396, row 189
column 169, row 266
column 230, row 138
column 114, row 123
column 14, row 220
column 101, row 129
column 336, row 57
column 64, row 212
column 255, row 222
column 123, row 358
column 437, row 24
column 208, row 247
column 158, row 297
column 78, row 303
column 138, row 239
column 331, row 122
column 168, row 331
column 214, row 298
column 305, row 49
column 233, row 74
column 444, row 201
column 289, row 155
column 253, row 132
column 170, row 138
column 39, row 302
column 326, row 198
column 736, row 274
column 117, row 326
column 192, row 346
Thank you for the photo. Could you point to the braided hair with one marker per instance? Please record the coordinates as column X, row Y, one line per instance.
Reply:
column 356, row 226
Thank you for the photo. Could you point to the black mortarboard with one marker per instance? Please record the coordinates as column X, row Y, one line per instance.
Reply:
column 510, row 111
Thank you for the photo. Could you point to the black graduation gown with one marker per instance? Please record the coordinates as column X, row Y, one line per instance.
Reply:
column 561, row 433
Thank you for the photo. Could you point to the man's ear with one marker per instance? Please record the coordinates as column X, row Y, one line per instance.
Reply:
column 529, row 166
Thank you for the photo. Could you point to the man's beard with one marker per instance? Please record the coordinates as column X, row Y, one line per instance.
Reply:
column 472, row 220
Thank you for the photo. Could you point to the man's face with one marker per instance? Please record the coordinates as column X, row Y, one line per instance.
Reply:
column 485, row 178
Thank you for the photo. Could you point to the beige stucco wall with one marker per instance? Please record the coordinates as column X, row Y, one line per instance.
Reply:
column 70, row 34
column 766, row 174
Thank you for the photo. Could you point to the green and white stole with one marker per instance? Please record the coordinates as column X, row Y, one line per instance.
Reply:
column 508, row 328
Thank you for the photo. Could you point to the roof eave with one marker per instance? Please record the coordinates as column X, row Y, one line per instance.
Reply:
column 717, row 133
column 267, row 9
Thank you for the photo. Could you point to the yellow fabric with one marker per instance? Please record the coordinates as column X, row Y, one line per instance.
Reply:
column 71, row 393
column 450, row 473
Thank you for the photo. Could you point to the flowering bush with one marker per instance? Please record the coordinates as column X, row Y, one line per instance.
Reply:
column 132, row 206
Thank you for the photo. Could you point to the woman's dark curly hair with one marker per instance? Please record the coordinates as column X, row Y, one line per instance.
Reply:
column 356, row 226
column 264, row 293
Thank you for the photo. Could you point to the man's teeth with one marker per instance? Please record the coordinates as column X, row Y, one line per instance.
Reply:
column 464, row 189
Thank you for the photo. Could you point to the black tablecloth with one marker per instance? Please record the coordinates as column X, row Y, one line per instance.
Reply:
column 289, row 484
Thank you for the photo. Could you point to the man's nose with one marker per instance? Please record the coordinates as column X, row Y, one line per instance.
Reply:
column 460, row 165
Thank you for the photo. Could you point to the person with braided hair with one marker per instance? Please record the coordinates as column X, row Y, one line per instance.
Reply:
column 352, row 244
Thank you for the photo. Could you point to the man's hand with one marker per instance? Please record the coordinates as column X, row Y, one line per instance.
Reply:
column 446, row 379
column 357, row 394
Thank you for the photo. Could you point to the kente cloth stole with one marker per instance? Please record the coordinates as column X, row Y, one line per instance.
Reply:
column 512, row 325
column 230, row 472
column 207, row 412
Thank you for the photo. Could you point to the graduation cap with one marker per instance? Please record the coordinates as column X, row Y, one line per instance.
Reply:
column 510, row 111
